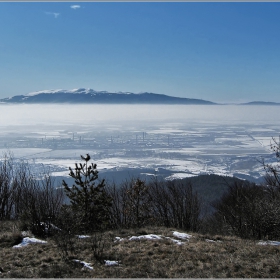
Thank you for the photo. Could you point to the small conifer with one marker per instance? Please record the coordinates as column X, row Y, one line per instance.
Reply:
column 89, row 201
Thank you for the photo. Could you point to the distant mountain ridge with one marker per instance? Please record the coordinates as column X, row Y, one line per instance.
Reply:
column 82, row 95
column 260, row 103
column 91, row 96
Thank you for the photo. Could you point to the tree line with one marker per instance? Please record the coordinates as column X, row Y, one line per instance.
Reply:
column 246, row 209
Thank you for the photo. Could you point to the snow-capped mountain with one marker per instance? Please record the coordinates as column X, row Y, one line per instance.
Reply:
column 82, row 95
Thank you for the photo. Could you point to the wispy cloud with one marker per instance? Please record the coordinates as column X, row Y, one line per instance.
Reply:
column 52, row 14
column 75, row 7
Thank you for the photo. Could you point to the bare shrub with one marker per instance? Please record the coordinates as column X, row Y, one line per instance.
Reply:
column 117, row 213
column 99, row 246
column 41, row 205
column 250, row 211
column 176, row 205
column 8, row 187
column 170, row 204
column 131, row 204
column 160, row 206
column 138, row 204
column 65, row 235
column 65, row 242
column 272, row 177
column 22, row 196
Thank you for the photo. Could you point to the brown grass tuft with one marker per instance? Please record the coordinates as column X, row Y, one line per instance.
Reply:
column 230, row 258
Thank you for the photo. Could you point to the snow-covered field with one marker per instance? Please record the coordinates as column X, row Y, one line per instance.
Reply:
column 183, row 140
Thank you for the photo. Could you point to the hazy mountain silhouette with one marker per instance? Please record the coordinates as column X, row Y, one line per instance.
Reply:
column 260, row 103
column 82, row 95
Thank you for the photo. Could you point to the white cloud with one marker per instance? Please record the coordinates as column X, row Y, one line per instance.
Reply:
column 75, row 7
column 53, row 14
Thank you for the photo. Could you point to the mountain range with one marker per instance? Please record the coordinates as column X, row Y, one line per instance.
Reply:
column 82, row 95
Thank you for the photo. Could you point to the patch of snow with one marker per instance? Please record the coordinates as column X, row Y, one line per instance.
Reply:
column 147, row 236
column 178, row 242
column 111, row 263
column 179, row 176
column 181, row 235
column 274, row 243
column 73, row 91
column 27, row 240
column 80, row 90
column 51, row 91
column 118, row 239
column 61, row 173
column 157, row 237
column 87, row 265
column 83, row 236
column 213, row 241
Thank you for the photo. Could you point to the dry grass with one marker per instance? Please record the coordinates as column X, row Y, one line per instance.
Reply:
column 230, row 258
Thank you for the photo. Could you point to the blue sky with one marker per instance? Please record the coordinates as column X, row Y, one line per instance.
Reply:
column 223, row 52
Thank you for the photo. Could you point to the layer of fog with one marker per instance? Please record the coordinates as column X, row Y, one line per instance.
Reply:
column 66, row 114
column 185, row 140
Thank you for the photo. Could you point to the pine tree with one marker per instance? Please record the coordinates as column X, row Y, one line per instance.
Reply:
column 89, row 201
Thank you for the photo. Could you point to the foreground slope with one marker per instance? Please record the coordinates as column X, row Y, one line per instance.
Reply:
column 143, row 253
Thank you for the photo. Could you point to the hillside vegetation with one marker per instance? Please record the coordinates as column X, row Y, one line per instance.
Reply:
column 137, row 229
column 200, row 256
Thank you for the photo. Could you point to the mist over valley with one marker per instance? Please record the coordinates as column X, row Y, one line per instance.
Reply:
column 169, row 141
